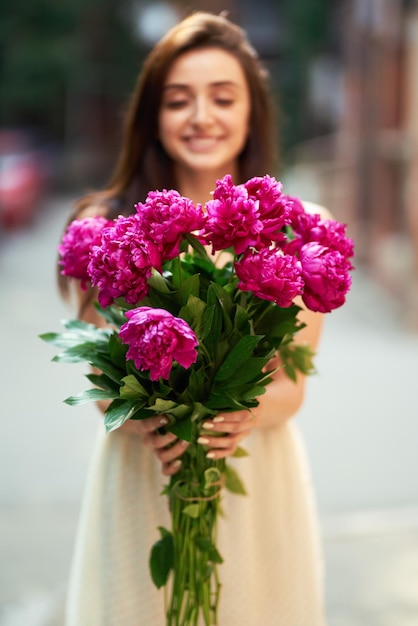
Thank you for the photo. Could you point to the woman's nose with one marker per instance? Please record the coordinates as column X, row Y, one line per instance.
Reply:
column 201, row 113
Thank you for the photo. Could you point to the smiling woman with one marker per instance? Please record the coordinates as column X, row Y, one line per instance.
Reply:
column 200, row 111
column 204, row 118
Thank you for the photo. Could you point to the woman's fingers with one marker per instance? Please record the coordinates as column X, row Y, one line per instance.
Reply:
column 151, row 424
column 167, row 455
column 169, row 469
column 221, row 447
column 222, row 435
column 167, row 447
column 230, row 423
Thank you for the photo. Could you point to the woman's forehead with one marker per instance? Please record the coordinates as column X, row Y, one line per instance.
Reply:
column 208, row 65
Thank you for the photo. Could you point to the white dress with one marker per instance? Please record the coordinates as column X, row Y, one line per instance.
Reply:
column 272, row 570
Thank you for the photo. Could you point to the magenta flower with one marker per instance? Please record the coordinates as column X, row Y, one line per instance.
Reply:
column 270, row 275
column 274, row 207
column 233, row 218
column 310, row 227
column 331, row 234
column 76, row 244
column 155, row 338
column 122, row 262
column 166, row 217
column 326, row 276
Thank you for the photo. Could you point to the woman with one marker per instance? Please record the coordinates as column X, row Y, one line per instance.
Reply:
column 200, row 110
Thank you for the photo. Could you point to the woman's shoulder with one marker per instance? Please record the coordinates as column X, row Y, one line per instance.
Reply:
column 313, row 207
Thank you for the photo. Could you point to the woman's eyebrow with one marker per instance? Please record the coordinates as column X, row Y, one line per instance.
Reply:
column 218, row 83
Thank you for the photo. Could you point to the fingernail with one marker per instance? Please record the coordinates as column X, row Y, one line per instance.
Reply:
column 183, row 443
column 203, row 440
column 175, row 464
column 219, row 418
column 210, row 455
column 208, row 425
column 164, row 421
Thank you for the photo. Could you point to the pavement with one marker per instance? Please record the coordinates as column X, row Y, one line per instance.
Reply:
column 358, row 423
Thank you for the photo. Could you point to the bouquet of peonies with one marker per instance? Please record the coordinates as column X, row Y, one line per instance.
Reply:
column 189, row 336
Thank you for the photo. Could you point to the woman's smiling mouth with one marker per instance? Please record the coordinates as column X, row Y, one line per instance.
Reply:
column 198, row 143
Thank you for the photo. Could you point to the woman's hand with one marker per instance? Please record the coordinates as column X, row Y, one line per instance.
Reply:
column 166, row 446
column 222, row 435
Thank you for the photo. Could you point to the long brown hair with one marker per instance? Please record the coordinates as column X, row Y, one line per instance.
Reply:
column 143, row 164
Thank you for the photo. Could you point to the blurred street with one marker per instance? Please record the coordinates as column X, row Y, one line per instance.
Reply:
column 359, row 423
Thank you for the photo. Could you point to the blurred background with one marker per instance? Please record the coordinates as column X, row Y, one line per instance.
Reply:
column 345, row 76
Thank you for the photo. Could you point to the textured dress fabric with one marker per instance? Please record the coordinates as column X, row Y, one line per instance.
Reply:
column 272, row 570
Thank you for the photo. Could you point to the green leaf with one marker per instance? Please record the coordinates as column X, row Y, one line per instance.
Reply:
column 205, row 545
column 237, row 356
column 251, row 370
column 192, row 510
column 196, row 385
column 224, row 402
column 161, row 559
column 157, row 282
column 190, row 287
column 233, row 482
column 254, row 392
column 217, row 294
column 117, row 413
column 241, row 320
column 240, row 452
column 105, row 366
column 132, row 389
column 212, row 326
column 102, row 381
column 141, row 413
column 297, row 357
column 114, row 315
column 197, row 246
column 76, row 354
column 277, row 321
column 78, row 333
column 182, row 429
column 117, row 351
column 90, row 395
column 200, row 411
column 163, row 406
column 193, row 313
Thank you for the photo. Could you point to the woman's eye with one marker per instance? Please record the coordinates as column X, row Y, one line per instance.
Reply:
column 224, row 102
column 176, row 104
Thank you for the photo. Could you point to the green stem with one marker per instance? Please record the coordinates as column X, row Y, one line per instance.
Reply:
column 180, row 271
column 195, row 584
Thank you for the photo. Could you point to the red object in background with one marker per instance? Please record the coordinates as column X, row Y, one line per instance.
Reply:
column 23, row 178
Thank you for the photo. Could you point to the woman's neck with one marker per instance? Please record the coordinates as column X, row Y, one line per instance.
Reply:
column 198, row 186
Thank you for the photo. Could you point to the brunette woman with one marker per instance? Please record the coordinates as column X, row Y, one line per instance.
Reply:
column 201, row 109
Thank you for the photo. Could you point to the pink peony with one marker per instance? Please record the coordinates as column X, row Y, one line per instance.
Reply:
column 331, row 234
column 326, row 276
column 166, row 217
column 122, row 262
column 270, row 275
column 76, row 244
column 233, row 218
column 310, row 227
column 274, row 207
column 156, row 338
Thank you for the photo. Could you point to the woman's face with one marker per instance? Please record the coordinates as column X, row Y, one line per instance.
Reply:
column 205, row 111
